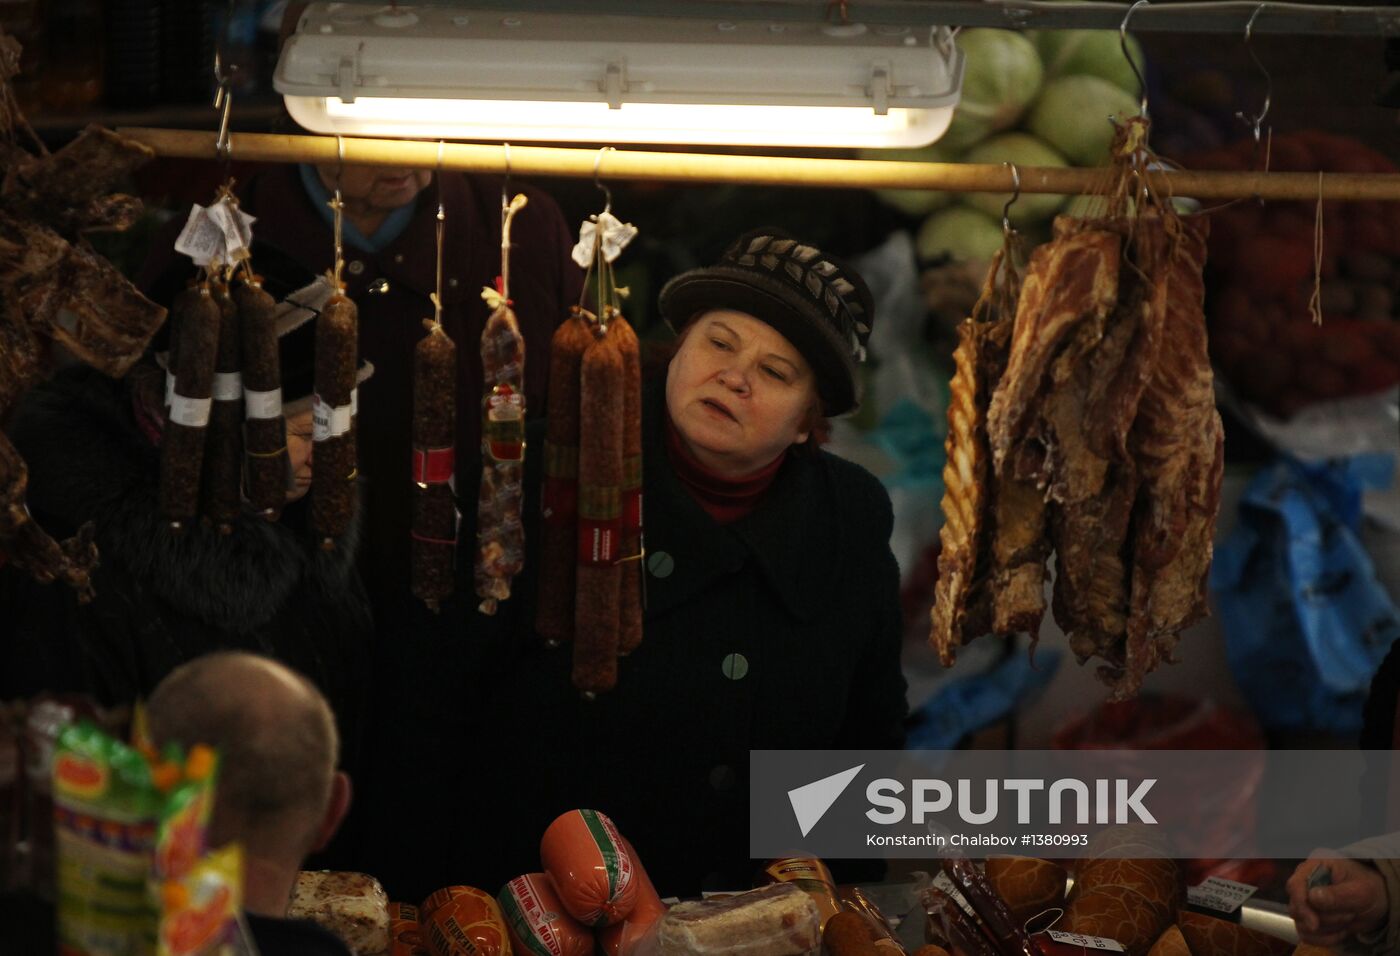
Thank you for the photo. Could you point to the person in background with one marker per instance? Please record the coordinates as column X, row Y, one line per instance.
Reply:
column 772, row 615
column 93, row 449
column 279, row 794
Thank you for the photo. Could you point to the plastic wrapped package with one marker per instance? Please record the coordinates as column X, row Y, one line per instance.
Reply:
column 776, row 920
column 537, row 922
column 353, row 906
column 591, row 867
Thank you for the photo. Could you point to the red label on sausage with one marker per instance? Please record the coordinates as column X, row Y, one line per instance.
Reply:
column 559, row 501
column 598, row 541
column 632, row 509
column 434, row 466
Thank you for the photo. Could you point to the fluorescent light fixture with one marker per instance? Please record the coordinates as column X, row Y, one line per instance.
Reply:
column 458, row 73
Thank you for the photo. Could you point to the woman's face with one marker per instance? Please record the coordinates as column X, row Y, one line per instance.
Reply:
column 376, row 189
column 738, row 392
column 299, row 446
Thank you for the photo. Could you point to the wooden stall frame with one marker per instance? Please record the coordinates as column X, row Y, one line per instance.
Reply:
column 681, row 167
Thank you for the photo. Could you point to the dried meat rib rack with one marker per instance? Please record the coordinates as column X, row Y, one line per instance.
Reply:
column 642, row 165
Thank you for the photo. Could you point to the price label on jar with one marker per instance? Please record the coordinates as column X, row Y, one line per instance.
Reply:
column 1223, row 896
column 1086, row 942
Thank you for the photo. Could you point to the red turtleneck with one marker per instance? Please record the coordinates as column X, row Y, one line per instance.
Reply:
column 724, row 499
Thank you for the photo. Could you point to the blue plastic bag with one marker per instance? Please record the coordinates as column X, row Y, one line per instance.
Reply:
column 1306, row 622
column 964, row 705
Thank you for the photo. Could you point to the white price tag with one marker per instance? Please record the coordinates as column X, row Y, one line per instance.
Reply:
column 1087, row 942
column 236, row 226
column 263, row 405
column 1223, row 896
column 328, row 421
column 202, row 239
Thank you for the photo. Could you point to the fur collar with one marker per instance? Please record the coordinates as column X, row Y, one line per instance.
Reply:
column 88, row 461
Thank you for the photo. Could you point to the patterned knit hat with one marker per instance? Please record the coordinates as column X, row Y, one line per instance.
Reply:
column 818, row 303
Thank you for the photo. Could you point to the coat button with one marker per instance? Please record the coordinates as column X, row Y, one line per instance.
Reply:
column 735, row 666
column 722, row 777
column 355, row 266
column 660, row 564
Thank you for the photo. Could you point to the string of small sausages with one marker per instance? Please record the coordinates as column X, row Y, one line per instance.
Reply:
column 500, row 535
column 435, row 518
column 333, row 438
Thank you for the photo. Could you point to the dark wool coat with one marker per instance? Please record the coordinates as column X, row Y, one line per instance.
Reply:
column 162, row 600
column 294, row 244
column 781, row 631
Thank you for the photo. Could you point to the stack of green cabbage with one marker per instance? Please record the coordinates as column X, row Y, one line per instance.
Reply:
column 1034, row 99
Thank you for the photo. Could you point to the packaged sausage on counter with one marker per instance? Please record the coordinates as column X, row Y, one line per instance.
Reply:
column 537, row 922
column 777, row 920
column 353, row 906
column 635, row 935
column 591, row 867
column 812, row 877
column 464, row 921
column 405, row 932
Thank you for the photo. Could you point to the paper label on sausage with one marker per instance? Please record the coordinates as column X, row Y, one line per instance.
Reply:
column 434, row 466
column 328, row 421
column 236, row 226
column 632, row 510
column 531, row 921
column 1087, row 942
column 263, row 405
column 228, row 386
column 598, row 541
column 190, row 412
column 354, row 402
column 504, row 432
column 169, row 388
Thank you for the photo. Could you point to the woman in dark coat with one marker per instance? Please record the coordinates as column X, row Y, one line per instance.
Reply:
column 772, row 615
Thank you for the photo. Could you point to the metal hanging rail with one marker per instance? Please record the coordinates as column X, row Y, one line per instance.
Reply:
column 1205, row 16
column 642, row 165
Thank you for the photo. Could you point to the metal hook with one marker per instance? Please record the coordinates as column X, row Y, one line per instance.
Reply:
column 223, row 93
column 1255, row 122
column 1006, row 210
column 597, row 166
column 1123, row 43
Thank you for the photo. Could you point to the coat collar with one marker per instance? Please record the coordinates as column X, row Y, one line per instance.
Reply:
column 793, row 552
column 287, row 216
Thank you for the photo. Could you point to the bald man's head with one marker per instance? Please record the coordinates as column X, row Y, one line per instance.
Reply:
column 277, row 740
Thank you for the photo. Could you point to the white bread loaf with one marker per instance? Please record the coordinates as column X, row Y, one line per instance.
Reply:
column 777, row 920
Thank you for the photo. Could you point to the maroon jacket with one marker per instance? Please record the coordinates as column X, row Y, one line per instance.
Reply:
column 544, row 283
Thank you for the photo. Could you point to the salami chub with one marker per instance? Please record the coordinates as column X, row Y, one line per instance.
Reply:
column 630, row 602
column 333, row 457
column 434, row 465
column 265, row 432
column 597, row 610
column 558, row 551
column 223, row 446
column 196, row 344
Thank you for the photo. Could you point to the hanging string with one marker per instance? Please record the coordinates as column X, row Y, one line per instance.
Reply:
column 1315, row 300
column 338, row 207
column 441, row 222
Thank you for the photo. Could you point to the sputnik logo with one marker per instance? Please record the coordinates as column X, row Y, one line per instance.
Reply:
column 811, row 801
